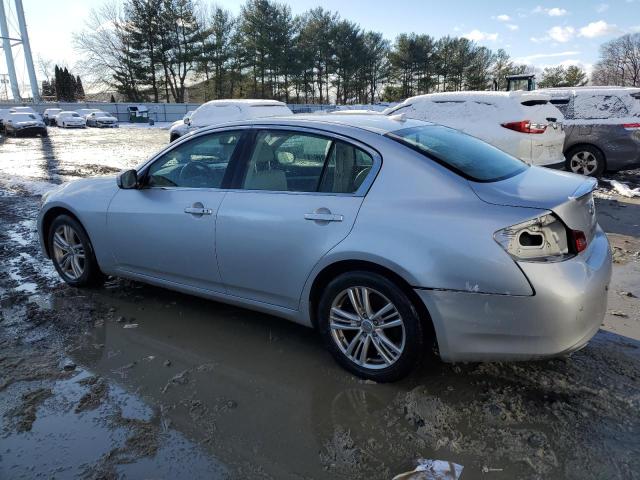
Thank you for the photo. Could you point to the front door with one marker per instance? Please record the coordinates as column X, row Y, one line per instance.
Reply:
column 298, row 198
column 166, row 228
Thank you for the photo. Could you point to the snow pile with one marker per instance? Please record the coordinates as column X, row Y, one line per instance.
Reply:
column 623, row 189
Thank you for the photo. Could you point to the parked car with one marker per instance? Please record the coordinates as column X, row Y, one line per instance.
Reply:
column 101, row 119
column 49, row 116
column 4, row 114
column 180, row 127
column 70, row 120
column 25, row 125
column 377, row 231
column 83, row 112
column 602, row 127
column 217, row 112
column 523, row 124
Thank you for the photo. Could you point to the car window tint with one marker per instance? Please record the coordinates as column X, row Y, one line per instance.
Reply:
column 591, row 107
column 198, row 163
column 304, row 162
column 347, row 167
column 286, row 161
column 466, row 155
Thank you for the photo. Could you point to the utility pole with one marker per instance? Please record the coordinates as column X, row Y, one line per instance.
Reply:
column 8, row 55
column 26, row 46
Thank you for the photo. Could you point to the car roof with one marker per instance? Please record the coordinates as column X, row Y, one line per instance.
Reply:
column 518, row 95
column 375, row 123
column 591, row 90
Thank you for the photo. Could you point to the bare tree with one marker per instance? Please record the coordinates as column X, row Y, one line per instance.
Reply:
column 619, row 62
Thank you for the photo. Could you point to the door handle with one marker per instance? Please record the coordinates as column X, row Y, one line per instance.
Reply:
column 323, row 217
column 198, row 211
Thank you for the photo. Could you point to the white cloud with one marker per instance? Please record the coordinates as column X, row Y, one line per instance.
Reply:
column 552, row 12
column 478, row 36
column 556, row 12
column 603, row 7
column 537, row 56
column 561, row 34
column 598, row 29
column 512, row 27
column 503, row 18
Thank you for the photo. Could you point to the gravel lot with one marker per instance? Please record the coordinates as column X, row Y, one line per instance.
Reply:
column 136, row 381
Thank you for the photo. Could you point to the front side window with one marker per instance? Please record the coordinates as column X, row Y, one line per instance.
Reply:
column 197, row 163
column 303, row 162
column 466, row 155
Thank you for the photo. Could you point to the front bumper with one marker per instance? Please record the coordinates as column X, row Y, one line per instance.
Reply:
column 565, row 312
column 31, row 131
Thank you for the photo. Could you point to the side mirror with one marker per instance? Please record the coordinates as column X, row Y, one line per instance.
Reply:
column 128, row 180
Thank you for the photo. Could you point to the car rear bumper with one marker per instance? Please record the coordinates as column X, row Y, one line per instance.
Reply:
column 566, row 310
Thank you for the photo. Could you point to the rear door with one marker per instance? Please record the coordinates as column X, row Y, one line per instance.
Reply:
column 297, row 198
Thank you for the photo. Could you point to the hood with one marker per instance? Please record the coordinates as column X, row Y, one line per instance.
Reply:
column 566, row 194
column 29, row 123
column 105, row 117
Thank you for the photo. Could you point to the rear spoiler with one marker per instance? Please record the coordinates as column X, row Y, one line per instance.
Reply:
column 585, row 188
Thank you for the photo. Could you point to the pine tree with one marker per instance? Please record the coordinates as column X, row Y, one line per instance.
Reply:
column 79, row 89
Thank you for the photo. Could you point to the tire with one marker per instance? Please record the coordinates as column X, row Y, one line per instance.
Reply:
column 79, row 271
column 381, row 363
column 173, row 138
column 585, row 160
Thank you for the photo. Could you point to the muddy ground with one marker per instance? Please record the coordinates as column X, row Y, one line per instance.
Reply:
column 132, row 381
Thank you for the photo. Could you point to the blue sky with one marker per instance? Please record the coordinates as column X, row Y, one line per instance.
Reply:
column 542, row 33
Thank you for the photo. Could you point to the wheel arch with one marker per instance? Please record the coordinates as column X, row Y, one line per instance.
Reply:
column 49, row 217
column 577, row 145
column 333, row 270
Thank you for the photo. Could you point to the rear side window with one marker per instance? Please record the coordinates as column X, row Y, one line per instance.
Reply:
column 466, row 155
column 593, row 107
column 285, row 161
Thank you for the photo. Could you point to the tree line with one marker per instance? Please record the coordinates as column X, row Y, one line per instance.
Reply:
column 162, row 50
column 63, row 86
column 152, row 50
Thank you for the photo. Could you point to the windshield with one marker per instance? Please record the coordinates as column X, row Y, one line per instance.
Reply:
column 22, row 117
column 466, row 155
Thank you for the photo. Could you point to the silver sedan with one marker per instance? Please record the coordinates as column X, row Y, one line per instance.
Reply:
column 389, row 236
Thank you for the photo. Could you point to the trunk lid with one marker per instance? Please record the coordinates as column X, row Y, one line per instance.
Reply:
column 567, row 195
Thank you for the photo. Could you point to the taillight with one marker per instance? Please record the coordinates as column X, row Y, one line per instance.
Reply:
column 631, row 126
column 542, row 239
column 525, row 126
column 579, row 240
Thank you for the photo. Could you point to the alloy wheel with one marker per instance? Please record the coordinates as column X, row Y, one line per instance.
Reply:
column 68, row 252
column 584, row 163
column 367, row 327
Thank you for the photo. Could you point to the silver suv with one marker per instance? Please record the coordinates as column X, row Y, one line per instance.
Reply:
column 602, row 127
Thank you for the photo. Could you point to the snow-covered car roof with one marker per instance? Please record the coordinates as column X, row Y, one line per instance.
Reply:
column 222, row 111
column 69, row 112
column 569, row 91
column 486, row 97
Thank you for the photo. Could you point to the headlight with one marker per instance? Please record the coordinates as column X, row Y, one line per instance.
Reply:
column 543, row 239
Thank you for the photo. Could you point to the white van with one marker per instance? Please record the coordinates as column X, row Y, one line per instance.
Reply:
column 524, row 124
column 223, row 111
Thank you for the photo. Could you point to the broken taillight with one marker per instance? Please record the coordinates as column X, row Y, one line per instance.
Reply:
column 526, row 126
column 579, row 240
column 542, row 239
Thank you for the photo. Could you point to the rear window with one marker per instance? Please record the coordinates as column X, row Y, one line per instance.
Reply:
column 533, row 103
column 466, row 155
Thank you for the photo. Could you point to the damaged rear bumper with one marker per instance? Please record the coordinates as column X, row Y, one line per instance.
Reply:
column 565, row 312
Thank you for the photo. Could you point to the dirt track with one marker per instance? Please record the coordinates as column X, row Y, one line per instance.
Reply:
column 203, row 390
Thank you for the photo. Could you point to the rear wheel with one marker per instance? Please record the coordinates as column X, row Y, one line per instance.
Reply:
column 72, row 253
column 370, row 326
column 585, row 160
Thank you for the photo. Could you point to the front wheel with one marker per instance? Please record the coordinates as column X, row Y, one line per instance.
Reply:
column 72, row 253
column 585, row 160
column 370, row 326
